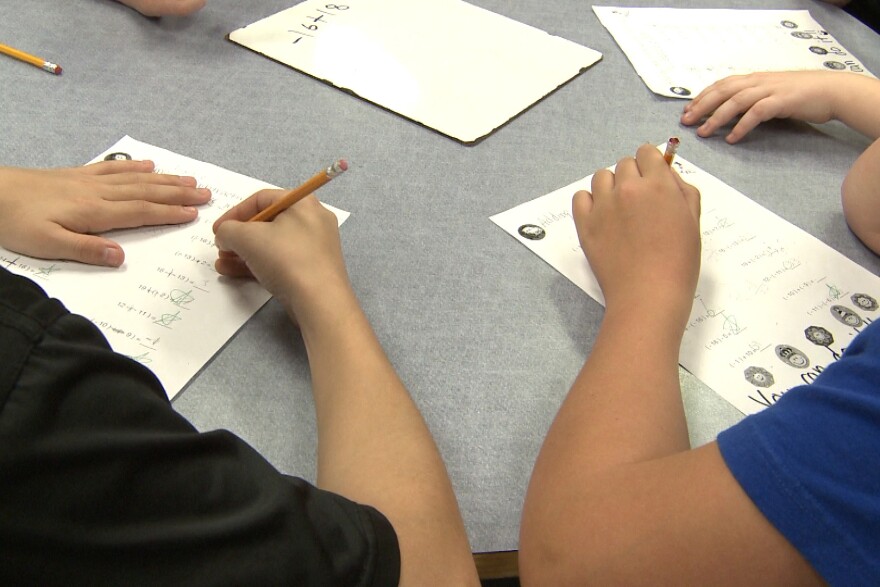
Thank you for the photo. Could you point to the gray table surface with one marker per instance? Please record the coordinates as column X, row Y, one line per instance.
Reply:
column 486, row 336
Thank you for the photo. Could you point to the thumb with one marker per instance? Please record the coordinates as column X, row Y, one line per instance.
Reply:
column 236, row 237
column 228, row 237
column 85, row 248
column 691, row 196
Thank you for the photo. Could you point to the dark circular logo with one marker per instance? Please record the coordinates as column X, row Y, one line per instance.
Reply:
column 119, row 156
column 679, row 91
column 834, row 65
column 818, row 50
column 532, row 232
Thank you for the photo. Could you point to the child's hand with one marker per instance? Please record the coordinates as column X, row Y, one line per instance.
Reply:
column 297, row 256
column 803, row 95
column 57, row 213
column 640, row 231
column 165, row 7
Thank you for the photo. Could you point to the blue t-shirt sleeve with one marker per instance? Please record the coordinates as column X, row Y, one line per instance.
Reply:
column 811, row 464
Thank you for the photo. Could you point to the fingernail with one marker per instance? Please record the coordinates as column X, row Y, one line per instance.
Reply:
column 113, row 257
column 190, row 210
column 188, row 181
column 205, row 192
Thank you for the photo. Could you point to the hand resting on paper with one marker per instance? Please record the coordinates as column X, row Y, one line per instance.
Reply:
column 165, row 7
column 58, row 213
column 639, row 229
column 813, row 96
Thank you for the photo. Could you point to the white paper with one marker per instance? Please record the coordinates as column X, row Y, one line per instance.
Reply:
column 449, row 65
column 768, row 291
column 166, row 307
column 678, row 52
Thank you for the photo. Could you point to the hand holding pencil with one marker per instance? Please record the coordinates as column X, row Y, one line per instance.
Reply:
column 297, row 194
column 297, row 256
column 639, row 228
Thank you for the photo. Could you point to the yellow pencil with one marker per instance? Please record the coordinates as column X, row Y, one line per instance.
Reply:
column 33, row 60
column 671, row 148
column 297, row 194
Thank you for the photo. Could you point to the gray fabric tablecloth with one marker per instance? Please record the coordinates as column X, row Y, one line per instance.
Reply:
column 486, row 336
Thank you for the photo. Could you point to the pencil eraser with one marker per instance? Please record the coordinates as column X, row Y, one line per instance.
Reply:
column 343, row 164
column 57, row 70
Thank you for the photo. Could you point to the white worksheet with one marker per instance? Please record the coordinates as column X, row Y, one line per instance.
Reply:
column 449, row 65
column 773, row 306
column 165, row 307
column 678, row 52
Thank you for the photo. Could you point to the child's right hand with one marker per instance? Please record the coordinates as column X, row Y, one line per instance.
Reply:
column 297, row 256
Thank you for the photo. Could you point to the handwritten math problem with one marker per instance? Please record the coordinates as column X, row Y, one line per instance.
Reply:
column 425, row 60
column 33, row 268
column 157, row 307
column 773, row 306
column 312, row 23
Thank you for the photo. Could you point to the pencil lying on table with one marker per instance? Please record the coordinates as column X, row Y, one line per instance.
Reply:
column 297, row 194
column 671, row 148
column 28, row 58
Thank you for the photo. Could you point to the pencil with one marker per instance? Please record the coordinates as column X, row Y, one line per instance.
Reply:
column 671, row 148
column 297, row 194
column 28, row 58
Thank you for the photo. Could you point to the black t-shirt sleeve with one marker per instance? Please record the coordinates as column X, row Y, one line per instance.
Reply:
column 103, row 483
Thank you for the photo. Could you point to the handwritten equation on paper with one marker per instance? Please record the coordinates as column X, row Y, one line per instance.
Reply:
column 773, row 307
column 166, row 307
column 660, row 43
column 313, row 22
column 397, row 54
